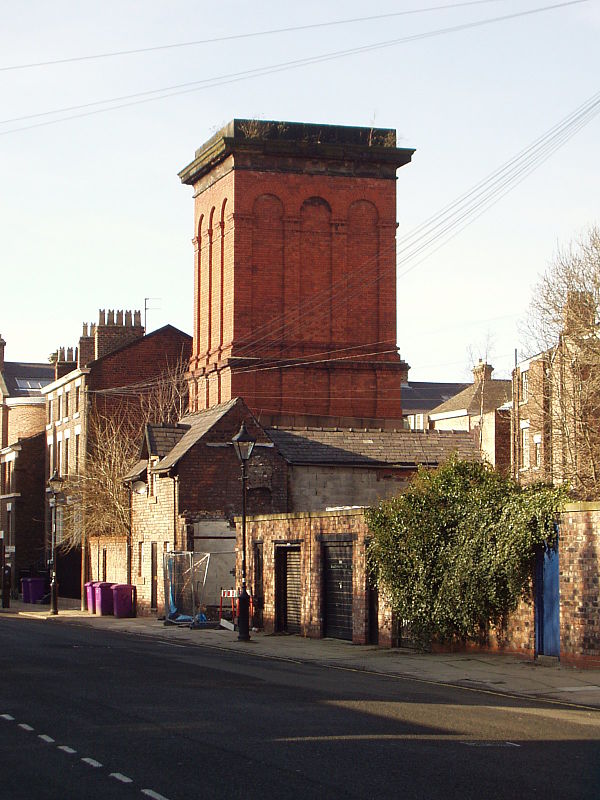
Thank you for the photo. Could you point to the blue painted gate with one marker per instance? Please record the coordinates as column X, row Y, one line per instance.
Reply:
column 547, row 602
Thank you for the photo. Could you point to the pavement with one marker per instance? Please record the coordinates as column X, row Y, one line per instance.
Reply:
column 499, row 674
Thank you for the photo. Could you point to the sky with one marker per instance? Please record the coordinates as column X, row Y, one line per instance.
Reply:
column 93, row 215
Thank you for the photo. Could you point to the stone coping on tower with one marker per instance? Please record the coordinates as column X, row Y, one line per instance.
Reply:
column 342, row 143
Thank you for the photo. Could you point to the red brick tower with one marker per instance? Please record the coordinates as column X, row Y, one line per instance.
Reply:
column 295, row 271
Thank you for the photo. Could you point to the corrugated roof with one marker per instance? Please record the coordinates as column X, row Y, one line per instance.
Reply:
column 197, row 425
column 495, row 394
column 371, row 447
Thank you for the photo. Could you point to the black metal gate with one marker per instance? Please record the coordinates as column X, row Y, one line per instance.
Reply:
column 288, row 591
column 258, row 594
column 338, row 590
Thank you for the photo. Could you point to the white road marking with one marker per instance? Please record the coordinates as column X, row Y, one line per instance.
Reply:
column 7, row 717
column 154, row 795
column 46, row 738
column 66, row 749
column 491, row 744
column 92, row 762
column 25, row 726
column 119, row 777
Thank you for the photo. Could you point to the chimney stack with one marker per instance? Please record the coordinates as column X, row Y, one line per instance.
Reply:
column 482, row 372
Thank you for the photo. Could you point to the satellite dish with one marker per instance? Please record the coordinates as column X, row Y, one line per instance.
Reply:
column 139, row 487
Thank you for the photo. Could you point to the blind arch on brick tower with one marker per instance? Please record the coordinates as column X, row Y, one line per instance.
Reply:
column 315, row 268
column 199, row 254
column 267, row 261
column 362, row 247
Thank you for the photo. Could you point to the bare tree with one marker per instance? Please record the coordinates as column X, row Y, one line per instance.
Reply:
column 562, row 331
column 98, row 502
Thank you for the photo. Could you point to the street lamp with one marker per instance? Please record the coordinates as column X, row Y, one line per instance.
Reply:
column 243, row 444
column 55, row 483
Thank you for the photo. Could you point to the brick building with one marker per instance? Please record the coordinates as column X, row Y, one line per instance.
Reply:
column 185, row 493
column 22, row 419
column 307, row 568
column 332, row 467
column 22, row 407
column 484, row 407
column 108, row 373
column 556, row 405
column 419, row 398
column 295, row 272
column 186, row 485
column 22, row 505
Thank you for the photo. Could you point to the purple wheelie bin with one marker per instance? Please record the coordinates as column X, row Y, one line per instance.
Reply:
column 124, row 599
column 37, row 589
column 104, row 598
column 25, row 589
column 90, row 596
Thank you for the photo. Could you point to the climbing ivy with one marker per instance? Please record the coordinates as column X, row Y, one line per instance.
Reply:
column 454, row 551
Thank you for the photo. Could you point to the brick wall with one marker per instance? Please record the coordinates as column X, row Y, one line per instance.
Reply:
column 579, row 582
column 502, row 440
column 155, row 520
column 139, row 361
column 579, row 566
column 310, row 531
column 579, row 591
column 113, row 554
column 25, row 420
column 210, row 473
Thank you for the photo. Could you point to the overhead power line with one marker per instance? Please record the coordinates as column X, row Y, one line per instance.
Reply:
column 424, row 240
column 151, row 95
column 247, row 35
column 433, row 233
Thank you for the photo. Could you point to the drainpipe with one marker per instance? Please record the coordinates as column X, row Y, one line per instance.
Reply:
column 129, row 532
column 175, row 508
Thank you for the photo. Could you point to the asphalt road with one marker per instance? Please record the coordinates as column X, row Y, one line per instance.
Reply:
column 94, row 714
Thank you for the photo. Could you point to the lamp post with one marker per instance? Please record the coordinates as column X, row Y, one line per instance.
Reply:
column 243, row 444
column 55, row 483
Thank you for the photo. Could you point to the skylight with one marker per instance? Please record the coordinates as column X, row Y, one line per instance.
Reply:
column 32, row 383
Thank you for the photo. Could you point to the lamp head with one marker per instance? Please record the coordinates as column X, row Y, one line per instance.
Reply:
column 243, row 444
column 55, row 482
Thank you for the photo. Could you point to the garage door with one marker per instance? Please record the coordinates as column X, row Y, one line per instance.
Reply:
column 338, row 590
column 288, row 589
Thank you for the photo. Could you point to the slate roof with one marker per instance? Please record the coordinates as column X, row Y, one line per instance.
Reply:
column 21, row 371
column 495, row 394
column 161, row 439
column 421, row 396
column 371, row 447
column 196, row 426
column 136, row 472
